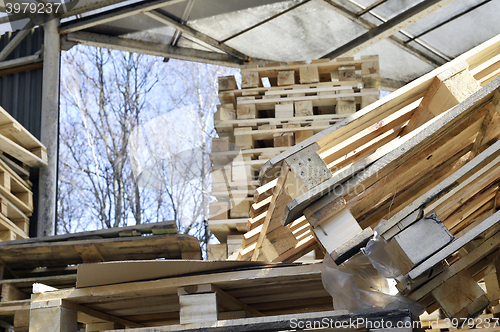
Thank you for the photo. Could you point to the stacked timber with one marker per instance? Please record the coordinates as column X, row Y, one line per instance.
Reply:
column 257, row 122
column 422, row 167
column 52, row 261
column 19, row 150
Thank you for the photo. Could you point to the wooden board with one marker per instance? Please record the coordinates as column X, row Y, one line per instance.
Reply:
column 32, row 255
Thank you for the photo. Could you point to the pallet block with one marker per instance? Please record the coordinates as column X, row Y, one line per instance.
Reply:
column 417, row 242
column 198, row 308
column 309, row 74
column 283, row 110
column 216, row 252
column 303, row 108
column 225, row 112
column 461, row 297
column 233, row 244
column 227, row 83
column 347, row 73
column 284, row 139
column 220, row 144
column 250, row 79
column 286, row 77
column 241, row 210
column 302, row 135
column 244, row 142
column 218, row 211
column 246, row 111
column 278, row 242
column 332, row 231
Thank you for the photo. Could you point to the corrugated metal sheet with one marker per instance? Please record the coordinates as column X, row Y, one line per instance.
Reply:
column 21, row 93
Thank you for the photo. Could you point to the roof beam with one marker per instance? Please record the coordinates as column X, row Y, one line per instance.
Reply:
column 265, row 21
column 184, row 18
column 370, row 7
column 115, row 14
column 156, row 49
column 368, row 25
column 388, row 28
column 196, row 34
column 16, row 41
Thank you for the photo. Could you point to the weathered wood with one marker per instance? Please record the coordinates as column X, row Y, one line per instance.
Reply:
column 89, row 253
column 216, row 251
column 53, row 319
column 283, row 322
column 417, row 242
column 396, row 224
column 352, row 246
column 461, row 297
column 309, row 74
column 286, row 77
column 454, row 246
column 386, row 160
column 227, row 83
column 250, row 79
column 198, row 308
column 337, row 230
column 31, row 255
column 12, row 293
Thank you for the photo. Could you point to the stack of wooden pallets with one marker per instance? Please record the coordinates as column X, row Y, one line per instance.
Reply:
column 257, row 122
column 53, row 260
column 421, row 165
column 19, row 150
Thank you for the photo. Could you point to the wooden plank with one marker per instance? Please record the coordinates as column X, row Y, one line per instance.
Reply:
column 283, row 322
column 24, row 256
column 439, row 191
column 13, row 130
column 380, row 109
column 382, row 163
column 20, row 153
column 352, row 246
column 89, row 253
column 419, row 291
column 103, row 233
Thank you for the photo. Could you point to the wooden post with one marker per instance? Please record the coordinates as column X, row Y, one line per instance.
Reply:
column 51, row 316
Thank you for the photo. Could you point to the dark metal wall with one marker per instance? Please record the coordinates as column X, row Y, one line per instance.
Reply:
column 21, row 92
column 21, row 96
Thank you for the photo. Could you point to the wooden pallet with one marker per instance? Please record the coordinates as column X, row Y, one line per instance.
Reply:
column 428, row 147
column 251, row 297
column 19, row 143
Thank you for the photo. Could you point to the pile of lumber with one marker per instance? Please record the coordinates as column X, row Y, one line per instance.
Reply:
column 250, row 296
column 420, row 166
column 19, row 150
column 53, row 260
column 257, row 122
